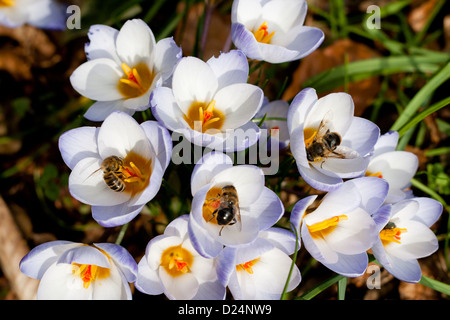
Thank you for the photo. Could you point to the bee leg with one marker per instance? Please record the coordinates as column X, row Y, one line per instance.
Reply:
column 213, row 215
column 220, row 232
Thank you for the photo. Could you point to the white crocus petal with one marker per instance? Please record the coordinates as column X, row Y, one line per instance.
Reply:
column 85, row 255
column 135, row 42
column 165, row 108
column 115, row 215
column 100, row 110
column 300, row 107
column 354, row 235
column 429, row 210
column 102, row 43
column 247, row 179
column 202, row 240
column 160, row 140
column 361, row 136
column 239, row 103
column 46, row 14
column 404, row 270
column 114, row 287
column 246, row 12
column 120, row 134
column 230, row 68
column 193, row 81
column 183, row 287
column 343, row 168
column 349, row 265
column 386, row 143
column 373, row 192
column 318, row 180
column 298, row 211
column 98, row 79
column 318, row 248
column 207, row 167
column 77, row 144
column 284, row 15
column 166, row 56
column 59, row 282
column 122, row 258
column 36, row 262
column 397, row 168
column 417, row 242
column 148, row 279
column 267, row 209
column 338, row 108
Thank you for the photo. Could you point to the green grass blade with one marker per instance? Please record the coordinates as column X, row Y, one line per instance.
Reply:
column 363, row 69
column 294, row 259
column 342, row 286
column 321, row 287
column 424, row 93
column 435, row 285
column 424, row 114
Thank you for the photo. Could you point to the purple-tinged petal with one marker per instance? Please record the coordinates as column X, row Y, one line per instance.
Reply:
column 122, row 258
column 77, row 144
column 230, row 68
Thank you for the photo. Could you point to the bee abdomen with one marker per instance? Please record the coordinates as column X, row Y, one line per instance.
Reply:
column 114, row 182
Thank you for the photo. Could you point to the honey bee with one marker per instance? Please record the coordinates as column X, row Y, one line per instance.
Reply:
column 227, row 212
column 324, row 143
column 112, row 173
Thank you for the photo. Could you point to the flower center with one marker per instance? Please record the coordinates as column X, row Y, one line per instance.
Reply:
column 202, row 117
column 376, row 174
column 247, row 266
column 321, row 229
column 176, row 260
column 309, row 134
column 136, row 81
column 391, row 233
column 211, row 204
column 89, row 273
column 136, row 172
column 7, row 3
column 262, row 35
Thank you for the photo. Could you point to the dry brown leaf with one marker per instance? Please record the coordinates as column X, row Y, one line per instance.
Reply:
column 363, row 92
column 419, row 16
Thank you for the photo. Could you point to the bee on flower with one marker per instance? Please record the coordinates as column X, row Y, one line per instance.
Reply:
column 328, row 142
column 172, row 266
column 231, row 204
column 76, row 271
column 118, row 167
column 123, row 68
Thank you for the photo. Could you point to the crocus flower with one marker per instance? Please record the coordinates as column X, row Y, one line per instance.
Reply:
column 211, row 103
column 276, row 121
column 44, row 14
column 395, row 166
column 231, row 205
column 75, row 271
column 259, row 270
column 118, row 167
column 340, row 230
column 172, row 266
column 273, row 30
column 405, row 236
column 123, row 68
column 328, row 142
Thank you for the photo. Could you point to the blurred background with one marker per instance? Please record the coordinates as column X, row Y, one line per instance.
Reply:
column 383, row 69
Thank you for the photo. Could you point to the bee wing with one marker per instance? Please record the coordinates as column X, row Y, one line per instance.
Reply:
column 324, row 125
column 238, row 219
column 92, row 174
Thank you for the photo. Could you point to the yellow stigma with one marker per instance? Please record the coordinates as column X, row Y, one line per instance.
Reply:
column 376, row 174
column 262, row 35
column 136, row 81
column 389, row 235
column 202, row 117
column 136, row 171
column 247, row 266
column 89, row 272
column 309, row 134
column 176, row 260
column 7, row 3
column 321, row 229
